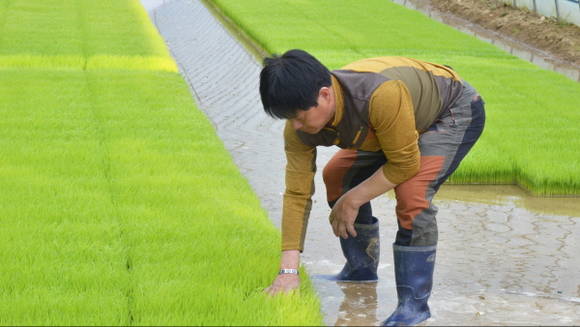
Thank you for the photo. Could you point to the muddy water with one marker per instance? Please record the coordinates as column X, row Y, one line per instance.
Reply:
column 504, row 258
column 514, row 47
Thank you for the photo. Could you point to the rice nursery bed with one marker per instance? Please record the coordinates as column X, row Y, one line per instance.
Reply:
column 120, row 205
column 531, row 136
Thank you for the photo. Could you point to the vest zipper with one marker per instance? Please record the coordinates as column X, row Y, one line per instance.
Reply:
column 356, row 137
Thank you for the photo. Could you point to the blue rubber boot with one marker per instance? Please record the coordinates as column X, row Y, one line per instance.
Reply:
column 361, row 253
column 414, row 276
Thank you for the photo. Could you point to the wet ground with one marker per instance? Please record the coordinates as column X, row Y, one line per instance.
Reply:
column 504, row 258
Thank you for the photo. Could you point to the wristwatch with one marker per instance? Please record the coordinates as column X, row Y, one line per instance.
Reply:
column 288, row 271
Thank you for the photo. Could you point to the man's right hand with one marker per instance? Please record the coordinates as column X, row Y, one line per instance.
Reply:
column 289, row 259
column 283, row 283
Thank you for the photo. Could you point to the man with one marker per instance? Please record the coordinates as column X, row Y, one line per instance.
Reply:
column 401, row 124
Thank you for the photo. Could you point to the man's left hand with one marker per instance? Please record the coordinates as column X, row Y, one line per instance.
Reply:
column 342, row 217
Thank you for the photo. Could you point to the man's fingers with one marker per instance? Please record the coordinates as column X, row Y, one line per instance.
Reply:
column 333, row 222
column 334, row 228
column 277, row 290
column 331, row 217
column 350, row 229
column 272, row 290
column 342, row 230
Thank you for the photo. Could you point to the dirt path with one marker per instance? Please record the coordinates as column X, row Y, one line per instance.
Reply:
column 560, row 39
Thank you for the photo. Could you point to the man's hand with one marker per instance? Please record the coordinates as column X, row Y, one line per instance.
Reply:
column 342, row 217
column 283, row 283
column 345, row 210
column 289, row 259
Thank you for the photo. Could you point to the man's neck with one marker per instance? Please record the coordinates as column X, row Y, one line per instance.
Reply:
column 338, row 104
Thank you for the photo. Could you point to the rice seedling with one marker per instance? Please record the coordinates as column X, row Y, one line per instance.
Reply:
column 96, row 62
column 87, row 35
column 72, row 27
column 531, row 137
column 119, row 203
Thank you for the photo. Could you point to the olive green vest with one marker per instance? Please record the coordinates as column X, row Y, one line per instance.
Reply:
column 351, row 131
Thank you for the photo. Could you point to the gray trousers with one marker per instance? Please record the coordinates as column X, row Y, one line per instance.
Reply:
column 442, row 148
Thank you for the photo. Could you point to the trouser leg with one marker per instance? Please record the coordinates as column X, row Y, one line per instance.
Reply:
column 344, row 171
column 442, row 149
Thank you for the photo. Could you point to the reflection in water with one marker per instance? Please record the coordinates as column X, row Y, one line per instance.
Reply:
column 505, row 258
column 359, row 306
column 510, row 195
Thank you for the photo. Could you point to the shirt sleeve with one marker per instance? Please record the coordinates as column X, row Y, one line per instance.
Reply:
column 392, row 117
column 300, row 170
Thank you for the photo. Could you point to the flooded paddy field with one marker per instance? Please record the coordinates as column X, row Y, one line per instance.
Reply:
column 504, row 257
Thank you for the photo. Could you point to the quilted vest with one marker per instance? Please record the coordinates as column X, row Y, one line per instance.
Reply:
column 351, row 131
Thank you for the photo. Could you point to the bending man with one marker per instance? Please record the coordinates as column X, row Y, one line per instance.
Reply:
column 400, row 123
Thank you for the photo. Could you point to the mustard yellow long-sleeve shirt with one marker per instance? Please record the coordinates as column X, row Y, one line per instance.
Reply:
column 394, row 130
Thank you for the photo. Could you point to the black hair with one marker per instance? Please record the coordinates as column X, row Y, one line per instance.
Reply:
column 291, row 82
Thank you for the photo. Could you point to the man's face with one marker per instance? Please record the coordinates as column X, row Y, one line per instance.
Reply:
column 314, row 119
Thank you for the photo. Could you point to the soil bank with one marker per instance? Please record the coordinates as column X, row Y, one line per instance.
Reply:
column 560, row 39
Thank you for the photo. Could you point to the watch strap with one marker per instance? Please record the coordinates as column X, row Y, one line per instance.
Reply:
column 288, row 271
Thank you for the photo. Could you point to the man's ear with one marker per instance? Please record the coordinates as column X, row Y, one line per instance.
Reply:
column 324, row 92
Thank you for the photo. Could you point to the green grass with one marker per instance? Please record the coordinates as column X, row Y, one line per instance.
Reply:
column 531, row 136
column 119, row 204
